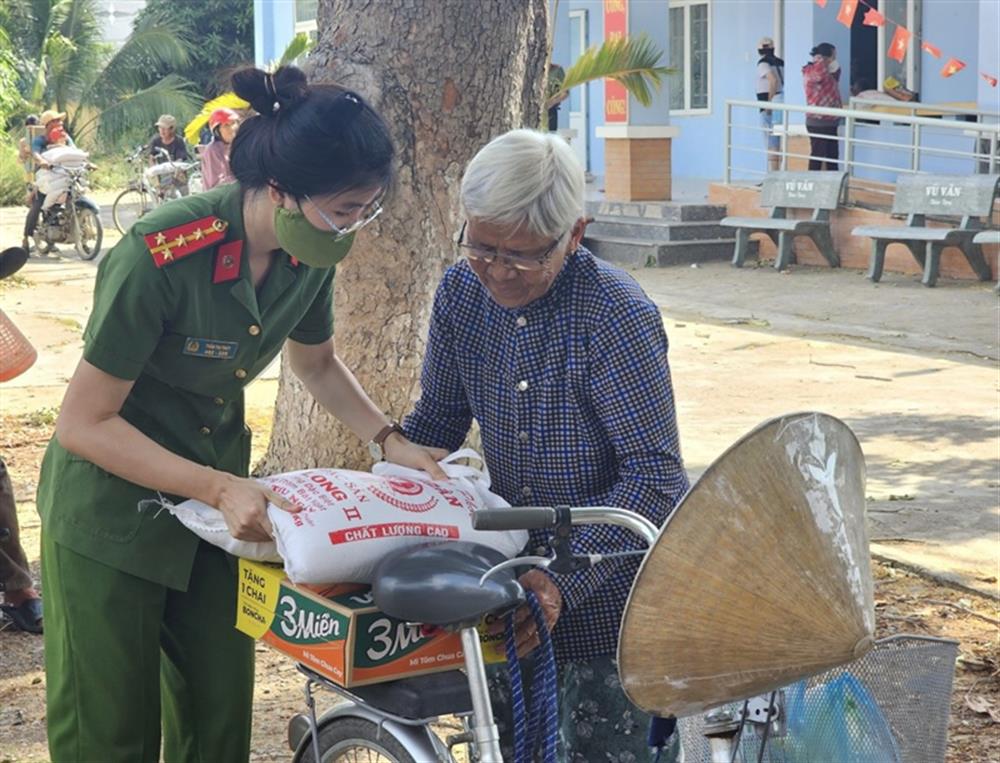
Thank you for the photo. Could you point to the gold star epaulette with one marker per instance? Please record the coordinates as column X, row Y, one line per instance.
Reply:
column 172, row 244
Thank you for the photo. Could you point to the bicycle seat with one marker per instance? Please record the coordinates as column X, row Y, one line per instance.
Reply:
column 438, row 584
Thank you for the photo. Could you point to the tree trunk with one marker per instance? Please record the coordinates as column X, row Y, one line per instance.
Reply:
column 447, row 75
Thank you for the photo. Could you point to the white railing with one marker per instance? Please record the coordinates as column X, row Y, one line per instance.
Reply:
column 933, row 109
column 876, row 145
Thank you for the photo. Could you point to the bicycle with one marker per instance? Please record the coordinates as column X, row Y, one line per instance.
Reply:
column 150, row 187
column 787, row 467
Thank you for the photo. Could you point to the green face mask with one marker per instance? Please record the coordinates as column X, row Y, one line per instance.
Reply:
column 307, row 243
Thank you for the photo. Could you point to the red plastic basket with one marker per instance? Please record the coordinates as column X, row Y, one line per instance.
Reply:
column 16, row 353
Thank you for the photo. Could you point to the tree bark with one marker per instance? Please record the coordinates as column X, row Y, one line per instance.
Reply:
column 447, row 75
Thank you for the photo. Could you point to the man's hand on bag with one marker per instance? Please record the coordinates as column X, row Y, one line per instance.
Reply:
column 399, row 450
column 549, row 598
column 243, row 503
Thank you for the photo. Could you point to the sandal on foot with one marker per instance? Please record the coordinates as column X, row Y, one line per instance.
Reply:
column 26, row 616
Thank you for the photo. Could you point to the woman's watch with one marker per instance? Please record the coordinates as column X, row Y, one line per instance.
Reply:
column 375, row 445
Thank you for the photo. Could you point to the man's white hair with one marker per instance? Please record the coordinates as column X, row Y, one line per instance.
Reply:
column 525, row 181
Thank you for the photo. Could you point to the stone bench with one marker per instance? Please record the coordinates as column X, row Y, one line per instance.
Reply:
column 819, row 191
column 988, row 237
column 968, row 197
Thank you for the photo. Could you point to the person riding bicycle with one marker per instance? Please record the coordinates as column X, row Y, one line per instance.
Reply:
column 195, row 301
column 562, row 360
column 168, row 146
column 52, row 124
column 215, row 156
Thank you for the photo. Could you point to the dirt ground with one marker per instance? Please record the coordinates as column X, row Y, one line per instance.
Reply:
column 905, row 603
column 54, row 295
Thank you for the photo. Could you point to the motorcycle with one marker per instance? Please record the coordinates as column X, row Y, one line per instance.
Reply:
column 68, row 215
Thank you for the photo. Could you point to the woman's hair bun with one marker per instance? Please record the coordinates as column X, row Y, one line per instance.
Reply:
column 270, row 94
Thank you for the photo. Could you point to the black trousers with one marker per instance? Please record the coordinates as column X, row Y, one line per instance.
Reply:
column 14, row 572
column 31, row 221
column 824, row 150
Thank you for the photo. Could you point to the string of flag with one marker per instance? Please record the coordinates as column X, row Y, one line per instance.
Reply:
column 901, row 38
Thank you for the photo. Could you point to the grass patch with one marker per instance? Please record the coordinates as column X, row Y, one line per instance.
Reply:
column 41, row 417
column 70, row 323
column 11, row 174
column 112, row 174
column 14, row 282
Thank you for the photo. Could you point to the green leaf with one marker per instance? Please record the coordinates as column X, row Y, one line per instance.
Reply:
column 299, row 46
column 632, row 61
column 139, row 109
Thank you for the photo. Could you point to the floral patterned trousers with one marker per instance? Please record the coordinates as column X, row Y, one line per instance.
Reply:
column 597, row 722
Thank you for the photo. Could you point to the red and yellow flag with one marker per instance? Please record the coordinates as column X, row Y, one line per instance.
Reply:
column 952, row 67
column 934, row 50
column 900, row 41
column 989, row 78
column 847, row 10
column 873, row 18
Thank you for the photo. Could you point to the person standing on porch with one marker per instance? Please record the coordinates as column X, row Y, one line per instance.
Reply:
column 770, row 84
column 821, row 79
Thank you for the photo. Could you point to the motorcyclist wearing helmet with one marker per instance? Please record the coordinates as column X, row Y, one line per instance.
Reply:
column 215, row 156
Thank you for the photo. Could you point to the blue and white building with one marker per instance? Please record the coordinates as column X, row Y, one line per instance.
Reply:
column 712, row 45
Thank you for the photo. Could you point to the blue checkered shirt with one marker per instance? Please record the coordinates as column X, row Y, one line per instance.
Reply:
column 574, row 403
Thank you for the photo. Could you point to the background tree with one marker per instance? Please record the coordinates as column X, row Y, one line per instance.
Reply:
column 448, row 75
column 223, row 35
column 64, row 65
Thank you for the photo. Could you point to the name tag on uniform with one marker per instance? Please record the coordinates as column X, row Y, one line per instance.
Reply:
column 210, row 348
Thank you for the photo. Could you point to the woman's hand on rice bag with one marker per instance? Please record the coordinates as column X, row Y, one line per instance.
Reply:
column 243, row 503
column 399, row 450
column 525, row 630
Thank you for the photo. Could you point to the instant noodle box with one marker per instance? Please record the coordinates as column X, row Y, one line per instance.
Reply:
column 338, row 632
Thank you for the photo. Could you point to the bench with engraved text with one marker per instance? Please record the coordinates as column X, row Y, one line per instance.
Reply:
column 967, row 197
column 989, row 237
column 819, row 191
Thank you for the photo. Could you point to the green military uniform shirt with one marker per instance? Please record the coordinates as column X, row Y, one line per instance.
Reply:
column 183, row 320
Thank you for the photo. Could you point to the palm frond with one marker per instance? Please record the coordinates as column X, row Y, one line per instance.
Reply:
column 87, row 55
column 299, row 46
column 169, row 95
column 150, row 48
column 632, row 61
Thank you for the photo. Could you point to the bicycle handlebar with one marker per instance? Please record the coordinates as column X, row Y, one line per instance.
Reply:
column 543, row 517
column 521, row 518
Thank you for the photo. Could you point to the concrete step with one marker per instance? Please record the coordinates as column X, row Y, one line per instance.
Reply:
column 656, row 230
column 670, row 211
column 637, row 252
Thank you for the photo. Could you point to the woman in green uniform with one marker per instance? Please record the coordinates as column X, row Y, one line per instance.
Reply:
column 194, row 303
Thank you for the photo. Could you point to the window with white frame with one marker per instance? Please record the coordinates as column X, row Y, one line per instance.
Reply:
column 305, row 17
column 689, row 56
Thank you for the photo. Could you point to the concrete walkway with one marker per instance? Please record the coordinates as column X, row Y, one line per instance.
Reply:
column 912, row 370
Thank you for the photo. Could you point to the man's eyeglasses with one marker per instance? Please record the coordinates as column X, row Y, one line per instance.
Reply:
column 369, row 213
column 526, row 263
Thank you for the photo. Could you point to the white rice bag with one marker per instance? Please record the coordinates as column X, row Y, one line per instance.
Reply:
column 351, row 520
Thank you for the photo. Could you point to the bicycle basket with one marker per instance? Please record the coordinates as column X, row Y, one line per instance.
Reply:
column 163, row 174
column 891, row 706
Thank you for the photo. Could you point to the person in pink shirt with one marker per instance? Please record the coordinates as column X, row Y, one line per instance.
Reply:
column 215, row 156
column 821, row 78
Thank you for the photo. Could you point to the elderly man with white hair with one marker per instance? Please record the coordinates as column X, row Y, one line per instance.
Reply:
column 562, row 360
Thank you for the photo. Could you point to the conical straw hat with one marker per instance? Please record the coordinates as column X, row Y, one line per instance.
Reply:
column 16, row 352
column 760, row 577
